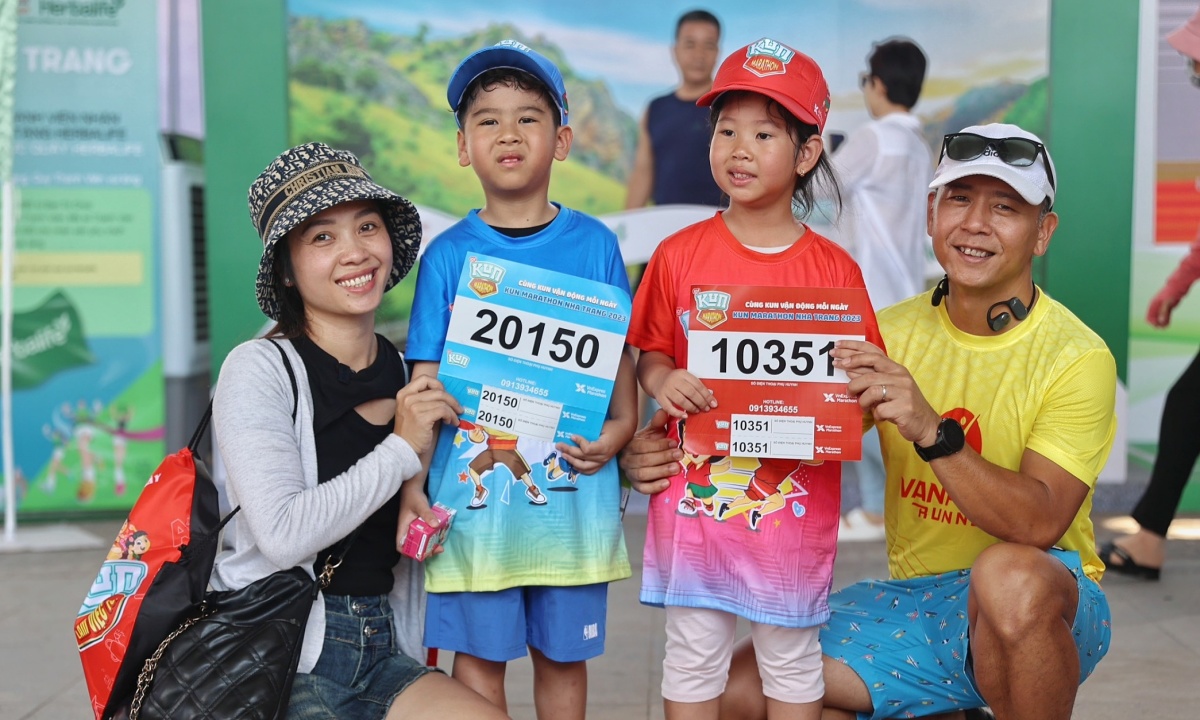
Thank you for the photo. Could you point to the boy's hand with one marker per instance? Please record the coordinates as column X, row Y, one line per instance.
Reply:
column 682, row 392
column 589, row 457
column 414, row 504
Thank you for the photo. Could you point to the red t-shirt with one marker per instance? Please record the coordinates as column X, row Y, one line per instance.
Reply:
column 763, row 546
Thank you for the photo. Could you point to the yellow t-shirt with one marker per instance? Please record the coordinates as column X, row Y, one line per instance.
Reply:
column 1046, row 385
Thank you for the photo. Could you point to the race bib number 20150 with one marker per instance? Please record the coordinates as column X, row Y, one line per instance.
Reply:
column 765, row 354
column 533, row 352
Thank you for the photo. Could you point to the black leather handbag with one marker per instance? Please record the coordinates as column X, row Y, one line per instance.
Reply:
column 236, row 659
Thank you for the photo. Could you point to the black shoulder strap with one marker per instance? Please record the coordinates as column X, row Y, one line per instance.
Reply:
column 287, row 365
column 202, row 426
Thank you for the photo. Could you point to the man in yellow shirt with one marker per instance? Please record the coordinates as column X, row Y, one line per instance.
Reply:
column 996, row 414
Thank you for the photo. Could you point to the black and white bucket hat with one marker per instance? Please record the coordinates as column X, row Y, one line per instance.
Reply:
column 309, row 179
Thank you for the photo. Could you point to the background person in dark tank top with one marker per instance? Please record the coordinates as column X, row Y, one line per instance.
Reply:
column 670, row 165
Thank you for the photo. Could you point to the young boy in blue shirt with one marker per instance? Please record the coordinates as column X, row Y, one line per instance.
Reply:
column 519, row 570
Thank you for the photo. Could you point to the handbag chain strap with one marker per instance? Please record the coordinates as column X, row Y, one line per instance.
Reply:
column 146, row 676
column 326, row 575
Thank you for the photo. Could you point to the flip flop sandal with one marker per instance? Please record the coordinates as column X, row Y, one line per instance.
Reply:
column 1127, row 565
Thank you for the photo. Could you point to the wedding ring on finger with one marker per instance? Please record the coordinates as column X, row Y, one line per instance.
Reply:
column 884, row 393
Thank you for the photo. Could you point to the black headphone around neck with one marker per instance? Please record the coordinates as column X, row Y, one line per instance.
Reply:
column 942, row 290
column 1015, row 307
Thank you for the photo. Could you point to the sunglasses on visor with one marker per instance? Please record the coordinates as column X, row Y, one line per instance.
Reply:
column 1015, row 151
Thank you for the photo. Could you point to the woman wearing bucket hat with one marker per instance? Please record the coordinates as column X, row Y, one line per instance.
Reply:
column 1142, row 554
column 319, row 433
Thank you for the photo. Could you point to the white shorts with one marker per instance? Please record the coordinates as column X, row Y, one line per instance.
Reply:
column 700, row 647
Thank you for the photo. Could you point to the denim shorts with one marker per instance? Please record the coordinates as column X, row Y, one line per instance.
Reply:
column 909, row 639
column 360, row 670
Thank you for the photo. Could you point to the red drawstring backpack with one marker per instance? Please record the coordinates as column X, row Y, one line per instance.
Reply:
column 156, row 572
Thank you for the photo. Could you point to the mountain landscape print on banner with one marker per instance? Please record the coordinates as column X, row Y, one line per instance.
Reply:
column 371, row 78
column 383, row 97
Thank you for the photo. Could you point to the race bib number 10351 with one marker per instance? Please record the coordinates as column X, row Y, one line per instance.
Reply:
column 765, row 352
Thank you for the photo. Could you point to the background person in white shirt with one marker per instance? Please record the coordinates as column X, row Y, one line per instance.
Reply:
column 885, row 168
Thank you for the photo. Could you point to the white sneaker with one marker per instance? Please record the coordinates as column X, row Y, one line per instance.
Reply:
column 855, row 526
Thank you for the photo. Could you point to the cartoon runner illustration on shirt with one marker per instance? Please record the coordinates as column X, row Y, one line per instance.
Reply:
column 763, row 495
column 558, row 467
column 698, row 470
column 501, row 450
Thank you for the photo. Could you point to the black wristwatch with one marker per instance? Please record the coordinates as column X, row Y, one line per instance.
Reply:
column 950, row 439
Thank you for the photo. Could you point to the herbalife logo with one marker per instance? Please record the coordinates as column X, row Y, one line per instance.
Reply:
column 74, row 9
column 47, row 340
column 52, row 335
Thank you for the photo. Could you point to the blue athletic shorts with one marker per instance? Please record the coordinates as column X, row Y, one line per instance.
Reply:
column 566, row 624
column 908, row 639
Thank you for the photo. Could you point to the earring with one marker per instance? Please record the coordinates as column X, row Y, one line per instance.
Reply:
column 287, row 281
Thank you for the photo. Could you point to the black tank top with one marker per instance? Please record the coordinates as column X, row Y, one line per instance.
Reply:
column 679, row 136
column 343, row 437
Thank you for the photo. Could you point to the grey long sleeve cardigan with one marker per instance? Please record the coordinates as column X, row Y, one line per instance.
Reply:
column 286, row 517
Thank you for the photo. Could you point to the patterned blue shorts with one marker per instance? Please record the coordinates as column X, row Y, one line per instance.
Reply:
column 908, row 639
column 360, row 671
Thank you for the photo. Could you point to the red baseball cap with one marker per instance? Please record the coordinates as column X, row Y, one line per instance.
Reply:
column 784, row 74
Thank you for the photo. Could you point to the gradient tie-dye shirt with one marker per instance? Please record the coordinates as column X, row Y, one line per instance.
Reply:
column 754, row 537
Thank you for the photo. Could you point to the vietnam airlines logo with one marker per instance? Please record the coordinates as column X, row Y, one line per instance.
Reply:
column 970, row 426
column 711, row 307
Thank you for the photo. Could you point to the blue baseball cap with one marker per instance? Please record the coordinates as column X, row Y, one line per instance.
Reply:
column 507, row 54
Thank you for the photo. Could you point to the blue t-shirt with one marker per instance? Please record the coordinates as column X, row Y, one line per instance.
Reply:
column 575, row 538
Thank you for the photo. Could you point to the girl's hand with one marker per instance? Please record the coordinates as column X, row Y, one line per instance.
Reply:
column 419, row 405
column 682, row 392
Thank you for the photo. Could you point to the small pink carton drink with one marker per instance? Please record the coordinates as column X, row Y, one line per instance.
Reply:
column 422, row 538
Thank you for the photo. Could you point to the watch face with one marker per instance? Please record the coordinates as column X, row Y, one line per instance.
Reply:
column 950, row 439
column 953, row 437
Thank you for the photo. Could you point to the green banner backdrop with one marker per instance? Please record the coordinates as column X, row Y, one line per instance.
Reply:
column 87, row 346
